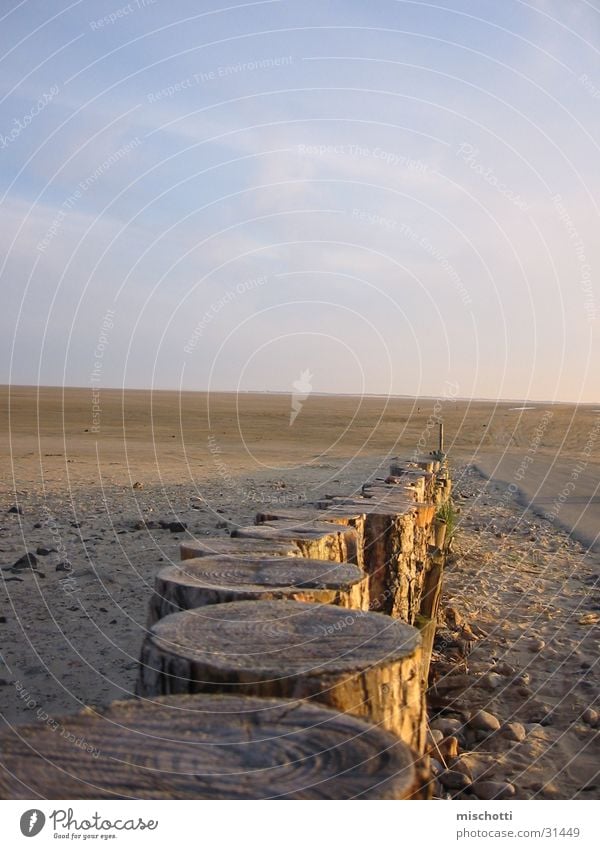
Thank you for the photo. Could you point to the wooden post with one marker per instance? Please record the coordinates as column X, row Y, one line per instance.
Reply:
column 215, row 546
column 318, row 540
column 214, row 580
column 441, row 440
column 432, row 588
column 365, row 664
column 207, row 747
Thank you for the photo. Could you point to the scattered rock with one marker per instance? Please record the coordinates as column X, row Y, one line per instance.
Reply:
column 27, row 561
column 477, row 764
column 451, row 779
column 138, row 485
column 434, row 738
column 504, row 668
column 536, row 645
column 436, row 767
column 493, row 789
column 43, row 551
column 463, row 766
column 540, row 713
column 590, row 717
column 514, row 731
column 453, row 682
column 447, row 725
column 174, row 527
column 491, row 681
column 16, row 509
column 484, row 721
column 64, row 566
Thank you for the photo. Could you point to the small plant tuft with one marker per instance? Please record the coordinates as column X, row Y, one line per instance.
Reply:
column 447, row 514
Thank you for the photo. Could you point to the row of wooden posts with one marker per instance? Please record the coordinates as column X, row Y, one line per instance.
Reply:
column 289, row 660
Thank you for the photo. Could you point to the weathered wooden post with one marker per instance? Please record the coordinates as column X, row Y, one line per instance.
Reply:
column 215, row 580
column 207, row 747
column 366, row 664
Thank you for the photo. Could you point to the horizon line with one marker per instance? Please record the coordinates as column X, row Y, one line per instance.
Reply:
column 524, row 401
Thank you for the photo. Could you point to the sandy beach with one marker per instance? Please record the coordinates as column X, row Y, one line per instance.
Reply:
column 103, row 497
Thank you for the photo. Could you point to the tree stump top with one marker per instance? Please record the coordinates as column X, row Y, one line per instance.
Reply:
column 269, row 640
column 282, row 530
column 237, row 547
column 205, row 747
column 258, row 573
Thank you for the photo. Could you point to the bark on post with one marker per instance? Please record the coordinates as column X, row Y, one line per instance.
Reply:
column 359, row 662
column 214, row 580
column 206, row 747
column 317, row 540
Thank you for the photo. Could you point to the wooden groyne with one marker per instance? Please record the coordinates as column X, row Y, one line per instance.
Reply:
column 307, row 633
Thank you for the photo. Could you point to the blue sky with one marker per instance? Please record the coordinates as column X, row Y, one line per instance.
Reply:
column 390, row 195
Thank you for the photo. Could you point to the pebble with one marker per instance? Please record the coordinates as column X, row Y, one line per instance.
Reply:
column 447, row 725
column 491, row 681
column 42, row 551
column 453, row 682
column 514, row 731
column 484, row 721
column 436, row 767
column 16, row 509
column 434, row 737
column 478, row 765
column 462, row 766
column 138, row 485
column 590, row 717
column 25, row 561
column 536, row 645
column 454, row 780
column 504, row 668
column 493, row 789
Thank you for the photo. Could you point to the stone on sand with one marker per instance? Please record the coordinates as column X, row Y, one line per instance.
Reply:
column 448, row 725
column 451, row 779
column 483, row 720
column 514, row 731
column 493, row 789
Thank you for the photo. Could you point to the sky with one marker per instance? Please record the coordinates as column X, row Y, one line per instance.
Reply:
column 380, row 197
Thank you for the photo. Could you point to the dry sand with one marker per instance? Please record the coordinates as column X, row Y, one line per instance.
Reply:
column 72, row 638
